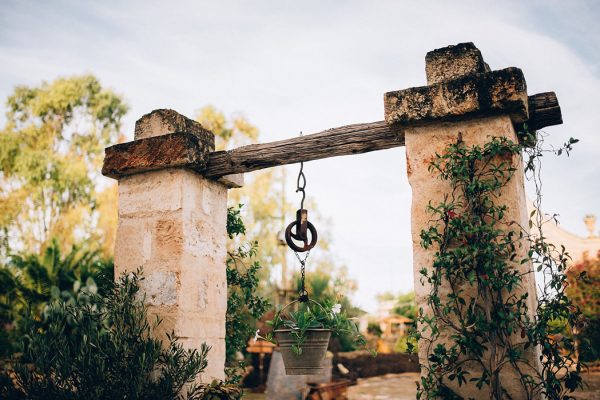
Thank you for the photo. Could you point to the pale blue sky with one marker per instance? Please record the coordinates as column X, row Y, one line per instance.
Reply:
column 311, row 65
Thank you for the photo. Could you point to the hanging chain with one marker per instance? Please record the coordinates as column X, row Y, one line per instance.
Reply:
column 299, row 230
column 303, row 293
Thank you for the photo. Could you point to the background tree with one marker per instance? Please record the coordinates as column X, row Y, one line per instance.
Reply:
column 584, row 291
column 262, row 194
column 50, row 153
column 404, row 303
column 406, row 306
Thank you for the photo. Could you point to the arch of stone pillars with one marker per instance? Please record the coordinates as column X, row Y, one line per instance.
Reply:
column 173, row 185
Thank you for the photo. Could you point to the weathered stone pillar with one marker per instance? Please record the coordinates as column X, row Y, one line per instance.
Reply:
column 172, row 223
column 463, row 97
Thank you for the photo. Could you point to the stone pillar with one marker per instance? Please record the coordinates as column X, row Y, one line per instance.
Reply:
column 463, row 97
column 172, row 223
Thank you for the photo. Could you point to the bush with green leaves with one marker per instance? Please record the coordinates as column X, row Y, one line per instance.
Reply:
column 101, row 347
column 583, row 288
column 28, row 282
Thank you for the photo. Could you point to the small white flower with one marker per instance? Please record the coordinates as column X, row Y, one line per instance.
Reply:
column 256, row 336
column 336, row 309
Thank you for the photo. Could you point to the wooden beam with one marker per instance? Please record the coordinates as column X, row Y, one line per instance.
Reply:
column 184, row 150
column 346, row 140
column 544, row 111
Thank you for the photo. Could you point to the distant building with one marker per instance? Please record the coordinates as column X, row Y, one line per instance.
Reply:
column 578, row 247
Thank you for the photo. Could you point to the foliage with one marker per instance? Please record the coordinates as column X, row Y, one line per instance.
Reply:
column 405, row 344
column 236, row 131
column 314, row 315
column 216, row 390
column 373, row 328
column 98, row 347
column 588, row 338
column 50, row 152
column 584, row 285
column 244, row 305
column 28, row 283
column 53, row 283
column 583, row 289
column 326, row 282
column 483, row 309
column 331, row 285
column 104, row 233
column 406, row 305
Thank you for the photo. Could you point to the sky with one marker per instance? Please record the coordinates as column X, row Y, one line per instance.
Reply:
column 291, row 66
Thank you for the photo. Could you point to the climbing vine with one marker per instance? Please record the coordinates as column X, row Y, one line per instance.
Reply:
column 479, row 327
column 245, row 306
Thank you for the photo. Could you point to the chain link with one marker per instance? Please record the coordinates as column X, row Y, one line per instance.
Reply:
column 300, row 186
column 303, row 292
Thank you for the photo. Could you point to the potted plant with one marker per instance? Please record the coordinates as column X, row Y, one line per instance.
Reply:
column 303, row 335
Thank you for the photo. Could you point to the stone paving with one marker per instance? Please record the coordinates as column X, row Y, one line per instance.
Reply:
column 402, row 387
column 390, row 386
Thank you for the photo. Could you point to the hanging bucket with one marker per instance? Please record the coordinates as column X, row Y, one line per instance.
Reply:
column 314, row 349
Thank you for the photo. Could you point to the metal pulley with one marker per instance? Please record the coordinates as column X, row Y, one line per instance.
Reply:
column 298, row 230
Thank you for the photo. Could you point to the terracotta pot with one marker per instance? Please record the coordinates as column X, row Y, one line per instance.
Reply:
column 314, row 349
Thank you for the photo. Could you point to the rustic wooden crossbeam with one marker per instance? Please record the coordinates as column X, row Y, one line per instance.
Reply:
column 346, row 140
column 180, row 149
column 544, row 111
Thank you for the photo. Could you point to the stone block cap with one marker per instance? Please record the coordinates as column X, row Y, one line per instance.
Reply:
column 164, row 121
column 459, row 84
column 454, row 61
column 163, row 139
column 174, row 150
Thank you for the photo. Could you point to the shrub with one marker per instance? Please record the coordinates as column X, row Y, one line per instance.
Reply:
column 94, row 347
column 29, row 282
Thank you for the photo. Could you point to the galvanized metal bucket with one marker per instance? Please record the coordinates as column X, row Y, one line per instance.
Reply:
column 314, row 349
